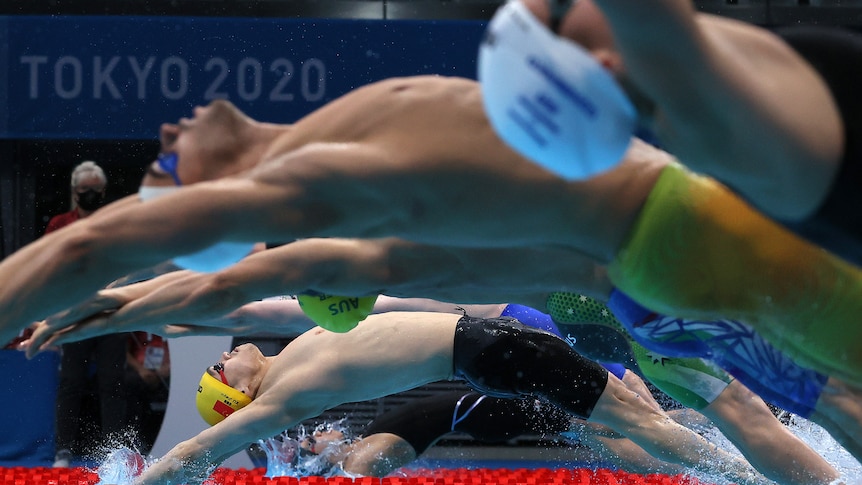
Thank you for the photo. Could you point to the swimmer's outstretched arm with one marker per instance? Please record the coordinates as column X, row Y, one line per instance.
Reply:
column 332, row 266
column 91, row 318
column 64, row 268
column 706, row 75
column 192, row 460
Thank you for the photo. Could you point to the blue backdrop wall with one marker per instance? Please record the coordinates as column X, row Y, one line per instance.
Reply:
column 119, row 77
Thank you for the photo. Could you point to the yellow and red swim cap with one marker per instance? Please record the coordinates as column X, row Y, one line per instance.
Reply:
column 217, row 400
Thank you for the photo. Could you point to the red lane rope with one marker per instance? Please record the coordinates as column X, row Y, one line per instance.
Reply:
column 456, row 476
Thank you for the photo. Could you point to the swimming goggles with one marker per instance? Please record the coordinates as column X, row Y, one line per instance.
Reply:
column 168, row 162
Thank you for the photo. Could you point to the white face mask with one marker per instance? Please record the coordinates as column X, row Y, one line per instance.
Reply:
column 549, row 99
column 211, row 259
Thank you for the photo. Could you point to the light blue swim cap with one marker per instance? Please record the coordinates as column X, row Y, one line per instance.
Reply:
column 213, row 258
column 549, row 99
column 216, row 257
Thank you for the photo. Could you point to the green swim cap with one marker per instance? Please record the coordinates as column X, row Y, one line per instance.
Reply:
column 336, row 313
column 574, row 308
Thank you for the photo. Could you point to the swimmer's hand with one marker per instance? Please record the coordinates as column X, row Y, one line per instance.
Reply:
column 47, row 337
column 145, row 306
column 90, row 317
column 67, row 326
column 172, row 471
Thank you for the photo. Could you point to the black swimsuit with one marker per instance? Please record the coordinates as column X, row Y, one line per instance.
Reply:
column 488, row 419
column 837, row 56
column 502, row 357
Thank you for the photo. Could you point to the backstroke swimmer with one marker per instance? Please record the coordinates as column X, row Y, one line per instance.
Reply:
column 321, row 369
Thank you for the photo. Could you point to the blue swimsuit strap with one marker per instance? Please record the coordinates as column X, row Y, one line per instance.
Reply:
column 455, row 418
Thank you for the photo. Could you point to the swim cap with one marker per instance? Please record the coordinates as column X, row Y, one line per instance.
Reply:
column 217, row 400
column 336, row 313
column 548, row 99
column 216, row 257
column 567, row 307
column 210, row 259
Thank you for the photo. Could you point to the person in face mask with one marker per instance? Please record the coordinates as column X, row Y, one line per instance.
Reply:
column 108, row 352
column 88, row 194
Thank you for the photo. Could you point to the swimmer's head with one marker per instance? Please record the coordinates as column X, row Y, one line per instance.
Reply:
column 580, row 21
column 218, row 141
column 216, row 400
column 231, row 383
column 324, row 437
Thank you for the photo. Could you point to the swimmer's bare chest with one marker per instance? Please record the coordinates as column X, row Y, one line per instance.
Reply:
column 418, row 115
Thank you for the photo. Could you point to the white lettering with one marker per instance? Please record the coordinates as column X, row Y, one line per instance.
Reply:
column 118, row 77
column 77, row 77
column 283, row 68
column 319, row 77
column 102, row 76
column 213, row 91
column 142, row 73
column 253, row 65
column 181, row 81
column 34, row 62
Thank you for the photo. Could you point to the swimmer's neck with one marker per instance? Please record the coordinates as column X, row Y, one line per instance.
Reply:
column 254, row 384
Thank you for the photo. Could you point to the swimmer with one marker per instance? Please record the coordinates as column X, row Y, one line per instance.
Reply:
column 365, row 166
column 771, row 112
column 199, row 298
column 322, row 369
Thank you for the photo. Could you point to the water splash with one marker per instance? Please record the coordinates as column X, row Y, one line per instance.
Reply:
column 120, row 467
column 286, row 458
column 281, row 455
column 817, row 439
column 823, row 443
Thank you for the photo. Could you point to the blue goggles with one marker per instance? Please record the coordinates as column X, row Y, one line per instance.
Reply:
column 168, row 163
